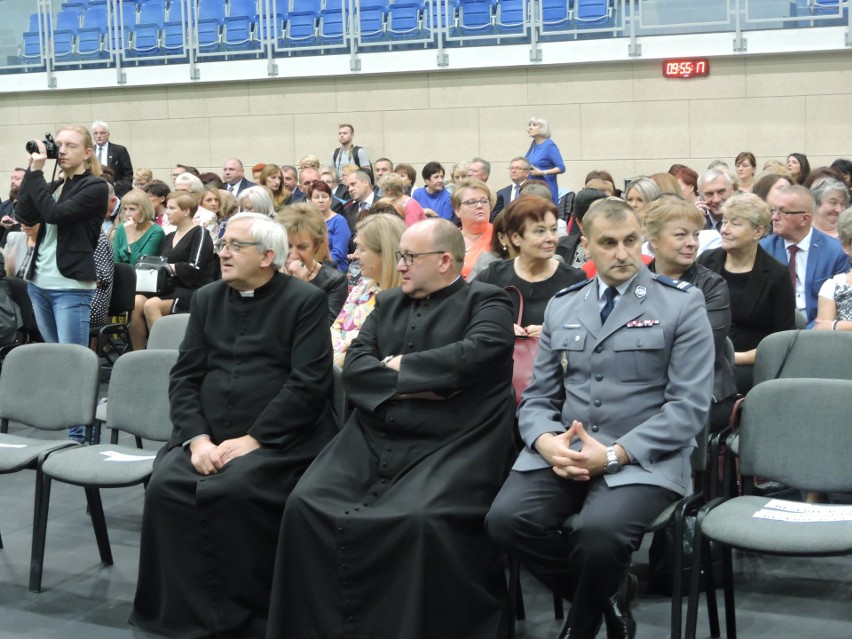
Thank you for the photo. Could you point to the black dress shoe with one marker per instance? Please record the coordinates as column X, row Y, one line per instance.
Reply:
column 620, row 623
column 574, row 633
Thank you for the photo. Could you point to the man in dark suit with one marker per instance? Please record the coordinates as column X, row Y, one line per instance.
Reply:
column 307, row 176
column 519, row 171
column 113, row 156
column 715, row 186
column 233, row 175
column 621, row 386
column 817, row 256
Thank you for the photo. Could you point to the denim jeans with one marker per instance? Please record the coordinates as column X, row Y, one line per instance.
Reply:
column 63, row 317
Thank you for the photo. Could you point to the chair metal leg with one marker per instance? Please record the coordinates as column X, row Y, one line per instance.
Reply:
column 728, row 577
column 677, row 568
column 42, row 504
column 138, row 442
column 710, row 589
column 516, row 597
column 558, row 609
column 113, row 437
column 93, row 497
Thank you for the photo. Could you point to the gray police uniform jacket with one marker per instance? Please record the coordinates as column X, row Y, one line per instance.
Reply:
column 643, row 380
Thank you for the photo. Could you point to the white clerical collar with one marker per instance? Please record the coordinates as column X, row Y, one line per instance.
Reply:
column 246, row 293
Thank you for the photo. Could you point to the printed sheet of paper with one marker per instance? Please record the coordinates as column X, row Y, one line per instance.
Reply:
column 781, row 510
column 115, row 456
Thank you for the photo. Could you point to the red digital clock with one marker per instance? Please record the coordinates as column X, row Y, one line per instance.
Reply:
column 686, row 68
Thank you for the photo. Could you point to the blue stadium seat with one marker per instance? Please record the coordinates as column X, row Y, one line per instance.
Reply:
column 475, row 17
column 240, row 25
column 303, row 23
column 174, row 40
column 211, row 19
column 32, row 39
column 371, row 19
column 406, row 19
column 555, row 15
column 65, row 32
column 92, row 38
column 146, row 33
column 593, row 14
column 333, row 19
column 511, row 15
column 274, row 24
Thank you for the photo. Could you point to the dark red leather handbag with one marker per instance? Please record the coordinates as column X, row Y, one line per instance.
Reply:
column 524, row 354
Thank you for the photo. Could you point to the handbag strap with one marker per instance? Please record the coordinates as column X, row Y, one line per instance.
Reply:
column 510, row 289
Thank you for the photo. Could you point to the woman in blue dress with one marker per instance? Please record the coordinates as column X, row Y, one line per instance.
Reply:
column 543, row 155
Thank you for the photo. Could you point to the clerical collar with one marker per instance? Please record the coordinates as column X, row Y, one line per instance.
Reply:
column 246, row 293
column 454, row 286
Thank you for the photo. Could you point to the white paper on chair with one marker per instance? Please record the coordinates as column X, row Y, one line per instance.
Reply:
column 115, row 456
column 781, row 510
column 13, row 445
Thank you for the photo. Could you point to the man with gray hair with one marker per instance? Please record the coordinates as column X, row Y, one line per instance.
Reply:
column 249, row 404
column 479, row 169
column 113, row 156
column 715, row 186
column 384, row 534
column 519, row 171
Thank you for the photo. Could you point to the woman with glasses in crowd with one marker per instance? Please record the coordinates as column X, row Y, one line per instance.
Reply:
column 472, row 201
column 308, row 258
column 762, row 299
column 189, row 252
column 376, row 245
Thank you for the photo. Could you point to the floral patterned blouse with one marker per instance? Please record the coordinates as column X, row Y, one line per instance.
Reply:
column 359, row 304
column 838, row 290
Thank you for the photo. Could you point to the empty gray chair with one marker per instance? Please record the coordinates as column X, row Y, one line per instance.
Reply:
column 772, row 446
column 787, row 354
column 138, row 404
column 48, row 387
column 168, row 331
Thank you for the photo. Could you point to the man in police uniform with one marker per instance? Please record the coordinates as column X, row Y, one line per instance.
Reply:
column 621, row 386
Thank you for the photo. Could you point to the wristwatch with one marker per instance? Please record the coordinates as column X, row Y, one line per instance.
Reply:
column 612, row 463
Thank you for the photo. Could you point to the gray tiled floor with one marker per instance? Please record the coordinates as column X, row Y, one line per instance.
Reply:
column 776, row 598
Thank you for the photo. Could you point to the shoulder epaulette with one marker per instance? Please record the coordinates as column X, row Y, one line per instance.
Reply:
column 680, row 285
column 573, row 287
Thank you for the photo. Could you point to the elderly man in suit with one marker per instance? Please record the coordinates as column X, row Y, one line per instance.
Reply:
column 816, row 257
column 621, row 385
column 519, row 171
column 113, row 156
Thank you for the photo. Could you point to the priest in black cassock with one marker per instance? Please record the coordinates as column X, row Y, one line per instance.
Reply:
column 383, row 537
column 249, row 403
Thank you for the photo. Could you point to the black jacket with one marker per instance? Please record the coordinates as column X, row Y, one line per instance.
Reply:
column 78, row 215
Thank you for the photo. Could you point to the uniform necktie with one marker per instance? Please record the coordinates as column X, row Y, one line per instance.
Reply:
column 609, row 303
column 791, row 263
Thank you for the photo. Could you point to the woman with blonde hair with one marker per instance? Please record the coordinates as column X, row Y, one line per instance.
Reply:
column 543, row 155
column 227, row 208
column 393, row 191
column 141, row 177
column 458, row 174
column 138, row 235
column 376, row 244
column 272, row 178
column 307, row 235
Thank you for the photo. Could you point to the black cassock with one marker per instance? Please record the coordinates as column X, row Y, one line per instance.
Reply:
column 383, row 537
column 256, row 365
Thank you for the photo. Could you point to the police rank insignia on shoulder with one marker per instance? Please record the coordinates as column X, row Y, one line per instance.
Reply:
column 573, row 287
column 678, row 284
column 642, row 323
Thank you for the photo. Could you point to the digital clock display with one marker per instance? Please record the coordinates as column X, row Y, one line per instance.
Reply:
column 686, row 68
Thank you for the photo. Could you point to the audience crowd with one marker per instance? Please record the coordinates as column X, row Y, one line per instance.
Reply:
column 407, row 270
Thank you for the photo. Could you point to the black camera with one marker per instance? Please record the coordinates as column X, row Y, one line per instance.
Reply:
column 49, row 146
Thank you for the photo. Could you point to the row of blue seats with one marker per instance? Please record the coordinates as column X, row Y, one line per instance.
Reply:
column 157, row 28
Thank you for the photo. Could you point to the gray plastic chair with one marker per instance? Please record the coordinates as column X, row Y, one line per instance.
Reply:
column 772, row 446
column 138, row 404
column 168, row 331
column 49, row 387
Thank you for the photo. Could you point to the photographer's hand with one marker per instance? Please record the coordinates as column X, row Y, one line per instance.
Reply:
column 37, row 160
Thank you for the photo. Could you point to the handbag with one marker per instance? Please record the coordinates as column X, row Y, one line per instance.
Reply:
column 523, row 355
column 153, row 275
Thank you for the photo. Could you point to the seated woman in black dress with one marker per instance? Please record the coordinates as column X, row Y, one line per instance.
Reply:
column 530, row 225
column 673, row 226
column 762, row 299
column 189, row 251
column 309, row 258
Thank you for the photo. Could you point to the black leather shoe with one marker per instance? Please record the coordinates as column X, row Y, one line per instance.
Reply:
column 573, row 633
column 620, row 623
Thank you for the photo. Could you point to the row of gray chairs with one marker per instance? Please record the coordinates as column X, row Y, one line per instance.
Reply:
column 65, row 394
column 793, row 430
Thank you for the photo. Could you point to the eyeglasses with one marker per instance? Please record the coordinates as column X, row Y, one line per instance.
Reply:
column 783, row 212
column 483, row 201
column 408, row 258
column 234, row 246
